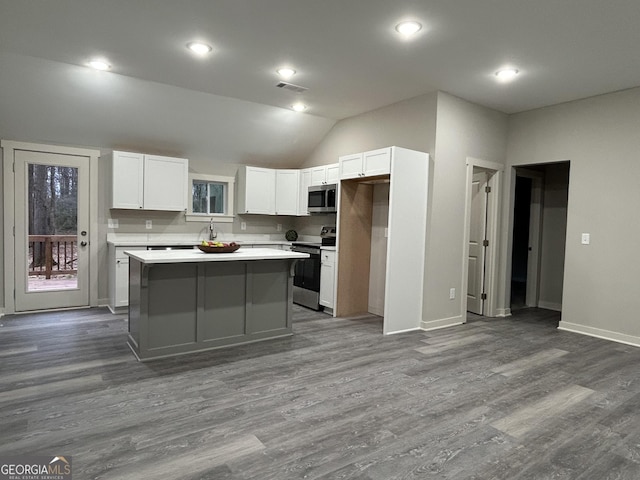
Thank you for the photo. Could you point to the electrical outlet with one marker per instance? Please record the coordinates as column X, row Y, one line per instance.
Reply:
column 452, row 293
column 149, row 224
column 243, row 225
column 112, row 223
column 586, row 239
column 279, row 227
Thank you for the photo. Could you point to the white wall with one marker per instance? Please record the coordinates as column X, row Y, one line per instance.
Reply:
column 554, row 233
column 600, row 137
column 409, row 124
column 463, row 130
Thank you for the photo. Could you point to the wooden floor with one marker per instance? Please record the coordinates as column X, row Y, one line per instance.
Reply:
column 493, row 399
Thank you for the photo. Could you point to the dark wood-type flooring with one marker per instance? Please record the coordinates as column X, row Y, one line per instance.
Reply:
column 493, row 399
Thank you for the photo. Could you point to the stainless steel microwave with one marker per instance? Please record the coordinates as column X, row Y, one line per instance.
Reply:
column 322, row 198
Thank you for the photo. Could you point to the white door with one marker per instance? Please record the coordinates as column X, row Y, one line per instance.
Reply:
column 51, row 231
column 477, row 236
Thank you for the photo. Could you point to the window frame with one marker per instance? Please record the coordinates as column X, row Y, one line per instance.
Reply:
column 228, row 216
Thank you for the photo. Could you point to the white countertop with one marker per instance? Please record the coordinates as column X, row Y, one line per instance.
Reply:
column 143, row 240
column 189, row 256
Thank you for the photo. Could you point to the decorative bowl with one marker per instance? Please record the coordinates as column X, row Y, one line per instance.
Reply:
column 227, row 249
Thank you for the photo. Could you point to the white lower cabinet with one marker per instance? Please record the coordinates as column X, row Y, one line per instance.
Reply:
column 119, row 276
column 327, row 277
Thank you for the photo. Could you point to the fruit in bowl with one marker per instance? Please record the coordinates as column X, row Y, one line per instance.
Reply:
column 212, row 246
column 212, row 243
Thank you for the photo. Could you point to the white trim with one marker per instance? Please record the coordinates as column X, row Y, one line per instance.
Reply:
column 600, row 333
column 403, row 331
column 478, row 162
column 206, row 217
column 550, row 305
column 9, row 147
column 442, row 323
column 493, row 221
column 503, row 312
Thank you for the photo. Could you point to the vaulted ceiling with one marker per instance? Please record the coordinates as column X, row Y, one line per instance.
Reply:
column 346, row 52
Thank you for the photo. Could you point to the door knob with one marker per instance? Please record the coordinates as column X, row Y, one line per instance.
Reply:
column 83, row 244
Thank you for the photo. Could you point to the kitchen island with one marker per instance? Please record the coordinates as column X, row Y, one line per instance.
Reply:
column 184, row 301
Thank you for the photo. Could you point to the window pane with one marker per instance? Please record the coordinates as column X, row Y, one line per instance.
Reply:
column 200, row 197
column 216, row 198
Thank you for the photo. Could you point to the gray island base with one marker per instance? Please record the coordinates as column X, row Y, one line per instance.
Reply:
column 189, row 301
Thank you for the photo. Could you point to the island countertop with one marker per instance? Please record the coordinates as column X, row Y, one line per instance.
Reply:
column 195, row 255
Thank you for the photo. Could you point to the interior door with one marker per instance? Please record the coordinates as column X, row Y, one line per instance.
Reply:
column 477, row 235
column 51, row 231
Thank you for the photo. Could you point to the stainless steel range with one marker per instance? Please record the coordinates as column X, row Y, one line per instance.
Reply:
column 306, row 282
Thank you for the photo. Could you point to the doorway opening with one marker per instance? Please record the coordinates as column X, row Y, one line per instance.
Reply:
column 539, row 235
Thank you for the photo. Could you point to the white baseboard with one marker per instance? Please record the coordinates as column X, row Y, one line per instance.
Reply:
column 503, row 312
column 1, row 312
column 442, row 323
column 403, row 331
column 600, row 333
column 557, row 307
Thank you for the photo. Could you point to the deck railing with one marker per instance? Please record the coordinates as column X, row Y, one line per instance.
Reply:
column 58, row 255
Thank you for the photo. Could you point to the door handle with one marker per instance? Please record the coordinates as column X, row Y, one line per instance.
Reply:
column 83, row 233
column 83, row 244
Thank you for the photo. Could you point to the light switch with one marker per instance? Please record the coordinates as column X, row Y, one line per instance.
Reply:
column 149, row 224
column 586, row 238
column 112, row 223
column 243, row 225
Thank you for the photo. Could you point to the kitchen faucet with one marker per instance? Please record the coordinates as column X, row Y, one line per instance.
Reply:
column 212, row 232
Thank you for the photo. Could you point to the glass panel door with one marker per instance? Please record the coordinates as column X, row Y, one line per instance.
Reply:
column 51, row 240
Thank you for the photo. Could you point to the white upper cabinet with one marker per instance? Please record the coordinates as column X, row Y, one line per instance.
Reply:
column 303, row 197
column 367, row 164
column 351, row 166
column 325, row 174
column 287, row 191
column 148, row 182
column 333, row 173
column 165, row 183
column 377, row 162
column 256, row 190
column 127, row 179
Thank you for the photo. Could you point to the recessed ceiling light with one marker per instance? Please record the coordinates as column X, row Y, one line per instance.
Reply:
column 199, row 48
column 299, row 107
column 506, row 74
column 408, row 28
column 286, row 72
column 99, row 64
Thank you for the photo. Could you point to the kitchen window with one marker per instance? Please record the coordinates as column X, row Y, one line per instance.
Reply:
column 211, row 197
